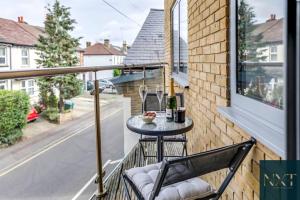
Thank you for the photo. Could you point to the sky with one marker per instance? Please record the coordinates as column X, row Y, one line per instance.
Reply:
column 96, row 21
column 264, row 8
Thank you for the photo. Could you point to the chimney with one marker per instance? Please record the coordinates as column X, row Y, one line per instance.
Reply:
column 125, row 47
column 106, row 43
column 20, row 19
column 88, row 44
column 272, row 17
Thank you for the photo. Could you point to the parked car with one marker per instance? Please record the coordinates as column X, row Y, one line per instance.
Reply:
column 32, row 115
column 101, row 89
column 106, row 83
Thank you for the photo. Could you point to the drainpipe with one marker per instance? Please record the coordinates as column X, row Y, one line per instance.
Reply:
column 10, row 66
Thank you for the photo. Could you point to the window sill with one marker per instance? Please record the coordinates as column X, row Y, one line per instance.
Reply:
column 266, row 133
column 183, row 82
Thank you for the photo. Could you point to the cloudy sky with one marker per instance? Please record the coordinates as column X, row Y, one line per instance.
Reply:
column 95, row 20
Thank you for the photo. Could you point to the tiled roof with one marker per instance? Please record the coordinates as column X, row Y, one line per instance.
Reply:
column 271, row 31
column 12, row 32
column 148, row 46
column 101, row 49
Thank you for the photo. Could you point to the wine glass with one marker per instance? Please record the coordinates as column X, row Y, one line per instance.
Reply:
column 160, row 95
column 143, row 90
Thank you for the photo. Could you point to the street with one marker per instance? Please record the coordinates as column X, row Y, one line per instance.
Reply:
column 65, row 162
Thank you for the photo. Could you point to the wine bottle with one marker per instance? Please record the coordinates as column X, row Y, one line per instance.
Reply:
column 171, row 102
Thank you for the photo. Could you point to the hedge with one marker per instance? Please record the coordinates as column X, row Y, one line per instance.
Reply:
column 14, row 107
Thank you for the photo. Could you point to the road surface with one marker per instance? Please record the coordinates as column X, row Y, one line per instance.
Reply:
column 64, row 162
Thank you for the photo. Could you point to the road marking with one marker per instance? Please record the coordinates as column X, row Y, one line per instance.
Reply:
column 50, row 146
column 89, row 182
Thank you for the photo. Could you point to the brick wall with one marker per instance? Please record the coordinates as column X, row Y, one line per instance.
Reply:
column 131, row 89
column 209, row 79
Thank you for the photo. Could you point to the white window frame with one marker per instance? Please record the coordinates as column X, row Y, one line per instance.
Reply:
column 25, row 57
column 180, row 77
column 273, row 53
column 26, row 87
column 262, row 121
column 5, row 56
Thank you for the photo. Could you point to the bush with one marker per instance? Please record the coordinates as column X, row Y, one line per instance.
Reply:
column 52, row 114
column 117, row 72
column 14, row 107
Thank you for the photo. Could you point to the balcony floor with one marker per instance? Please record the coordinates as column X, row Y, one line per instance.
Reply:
column 114, row 183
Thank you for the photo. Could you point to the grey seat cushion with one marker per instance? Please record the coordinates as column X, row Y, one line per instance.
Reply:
column 145, row 177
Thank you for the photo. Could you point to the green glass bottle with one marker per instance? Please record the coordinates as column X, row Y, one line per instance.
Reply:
column 171, row 102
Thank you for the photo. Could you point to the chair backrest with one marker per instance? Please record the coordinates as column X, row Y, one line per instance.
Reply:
column 152, row 103
column 181, row 169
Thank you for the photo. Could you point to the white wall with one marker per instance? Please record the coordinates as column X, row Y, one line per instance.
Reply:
column 266, row 52
column 102, row 60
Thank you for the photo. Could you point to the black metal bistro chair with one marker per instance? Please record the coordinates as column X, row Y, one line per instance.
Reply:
column 179, row 178
column 152, row 104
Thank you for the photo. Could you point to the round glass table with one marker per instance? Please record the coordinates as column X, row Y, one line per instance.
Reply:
column 160, row 127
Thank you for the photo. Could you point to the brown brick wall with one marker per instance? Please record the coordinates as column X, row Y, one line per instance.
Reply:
column 131, row 89
column 209, row 88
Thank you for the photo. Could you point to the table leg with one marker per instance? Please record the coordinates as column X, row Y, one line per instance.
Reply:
column 160, row 148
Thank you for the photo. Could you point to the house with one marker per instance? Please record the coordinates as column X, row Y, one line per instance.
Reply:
column 100, row 54
column 17, row 52
column 270, row 35
column 148, row 47
column 18, row 41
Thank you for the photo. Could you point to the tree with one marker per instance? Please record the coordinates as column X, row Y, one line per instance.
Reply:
column 248, row 42
column 58, row 49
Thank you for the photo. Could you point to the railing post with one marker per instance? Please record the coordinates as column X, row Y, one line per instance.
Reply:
column 144, row 74
column 101, row 190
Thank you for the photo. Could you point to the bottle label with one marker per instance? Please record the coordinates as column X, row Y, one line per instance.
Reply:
column 169, row 113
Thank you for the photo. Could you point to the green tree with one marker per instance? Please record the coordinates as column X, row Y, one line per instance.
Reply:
column 247, row 41
column 57, row 48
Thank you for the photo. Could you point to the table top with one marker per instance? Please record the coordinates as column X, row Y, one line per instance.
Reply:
column 159, row 127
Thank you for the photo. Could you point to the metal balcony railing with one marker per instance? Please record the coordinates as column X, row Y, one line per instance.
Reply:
column 46, row 72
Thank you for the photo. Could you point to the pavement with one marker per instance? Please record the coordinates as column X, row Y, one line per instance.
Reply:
column 84, row 104
column 61, row 163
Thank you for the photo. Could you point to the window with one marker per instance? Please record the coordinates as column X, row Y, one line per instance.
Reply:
column 28, row 86
column 25, row 57
column 180, row 39
column 3, row 56
column 273, row 54
column 257, row 51
column 2, row 85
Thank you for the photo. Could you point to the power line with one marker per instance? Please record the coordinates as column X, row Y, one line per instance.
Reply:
column 121, row 13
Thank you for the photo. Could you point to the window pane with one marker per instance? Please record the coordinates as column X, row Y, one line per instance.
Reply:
column 23, row 83
column 30, row 91
column 183, row 36
column 25, row 61
column 30, row 83
column 175, row 38
column 2, row 60
column 25, row 52
column 258, row 75
column 2, row 51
